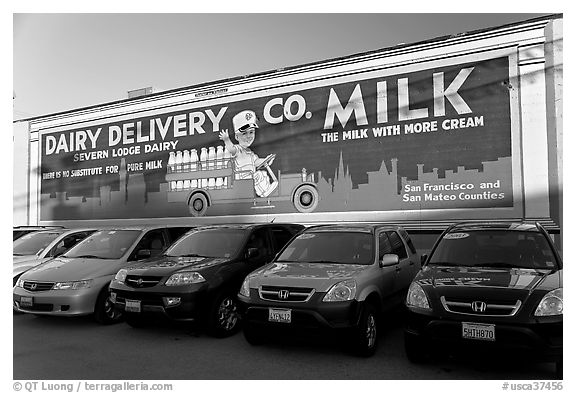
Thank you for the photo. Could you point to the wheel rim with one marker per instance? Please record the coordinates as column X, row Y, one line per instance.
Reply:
column 370, row 331
column 227, row 314
column 109, row 310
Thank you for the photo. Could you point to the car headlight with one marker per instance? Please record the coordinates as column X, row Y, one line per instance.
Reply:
column 121, row 275
column 551, row 304
column 340, row 292
column 245, row 288
column 417, row 297
column 184, row 278
column 73, row 284
column 20, row 283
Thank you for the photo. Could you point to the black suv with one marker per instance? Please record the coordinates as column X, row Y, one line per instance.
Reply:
column 199, row 276
column 488, row 286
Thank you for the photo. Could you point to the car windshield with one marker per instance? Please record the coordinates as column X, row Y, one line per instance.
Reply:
column 494, row 248
column 220, row 243
column 33, row 243
column 353, row 248
column 108, row 244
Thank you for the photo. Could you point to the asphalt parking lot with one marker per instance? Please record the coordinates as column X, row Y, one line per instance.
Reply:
column 78, row 348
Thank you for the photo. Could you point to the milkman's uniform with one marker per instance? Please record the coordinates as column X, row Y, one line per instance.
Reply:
column 246, row 161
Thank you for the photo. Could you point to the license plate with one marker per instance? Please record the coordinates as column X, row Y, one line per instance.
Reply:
column 279, row 315
column 478, row 331
column 133, row 306
column 26, row 301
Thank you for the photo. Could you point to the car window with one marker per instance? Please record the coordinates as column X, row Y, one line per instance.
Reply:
column 68, row 242
column 408, row 241
column 219, row 243
column 397, row 245
column 493, row 248
column 176, row 232
column 153, row 241
column 106, row 244
column 281, row 236
column 330, row 247
column 384, row 245
column 259, row 240
column 33, row 243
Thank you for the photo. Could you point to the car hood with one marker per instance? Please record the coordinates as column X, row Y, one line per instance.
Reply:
column 164, row 266
column 320, row 276
column 24, row 264
column 71, row 269
column 493, row 282
column 24, row 258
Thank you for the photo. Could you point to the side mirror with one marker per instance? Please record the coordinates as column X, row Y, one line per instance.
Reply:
column 252, row 253
column 143, row 254
column 423, row 259
column 389, row 260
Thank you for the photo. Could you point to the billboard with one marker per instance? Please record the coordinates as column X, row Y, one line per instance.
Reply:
column 435, row 138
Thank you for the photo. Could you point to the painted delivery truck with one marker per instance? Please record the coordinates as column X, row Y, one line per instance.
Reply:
column 465, row 127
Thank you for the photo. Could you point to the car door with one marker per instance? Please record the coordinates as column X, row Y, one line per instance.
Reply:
column 389, row 275
column 406, row 264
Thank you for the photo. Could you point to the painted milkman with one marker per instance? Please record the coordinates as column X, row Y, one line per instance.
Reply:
column 247, row 163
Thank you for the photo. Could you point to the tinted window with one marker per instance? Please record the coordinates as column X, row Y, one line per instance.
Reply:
column 109, row 244
column 68, row 242
column 397, row 245
column 221, row 243
column 384, row 245
column 408, row 241
column 281, row 237
column 33, row 243
column 330, row 247
column 153, row 241
column 176, row 232
column 495, row 248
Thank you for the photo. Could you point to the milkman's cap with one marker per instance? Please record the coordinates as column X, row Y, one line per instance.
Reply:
column 244, row 120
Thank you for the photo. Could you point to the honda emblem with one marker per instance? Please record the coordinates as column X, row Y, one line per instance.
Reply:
column 283, row 294
column 478, row 306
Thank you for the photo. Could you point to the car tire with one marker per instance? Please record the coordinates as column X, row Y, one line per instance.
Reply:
column 252, row 334
column 415, row 349
column 104, row 311
column 365, row 335
column 224, row 316
column 135, row 321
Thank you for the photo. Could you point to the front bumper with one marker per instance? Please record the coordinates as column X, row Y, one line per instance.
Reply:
column 540, row 339
column 59, row 302
column 193, row 300
column 313, row 314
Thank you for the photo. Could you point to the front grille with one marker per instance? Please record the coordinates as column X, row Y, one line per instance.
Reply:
column 35, row 286
column 480, row 307
column 142, row 281
column 285, row 294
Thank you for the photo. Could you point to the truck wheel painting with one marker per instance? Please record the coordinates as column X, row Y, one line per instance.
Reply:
column 214, row 182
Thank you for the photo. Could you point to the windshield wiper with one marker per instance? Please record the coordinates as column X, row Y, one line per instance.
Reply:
column 323, row 261
column 451, row 264
column 89, row 256
column 498, row 264
column 190, row 256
